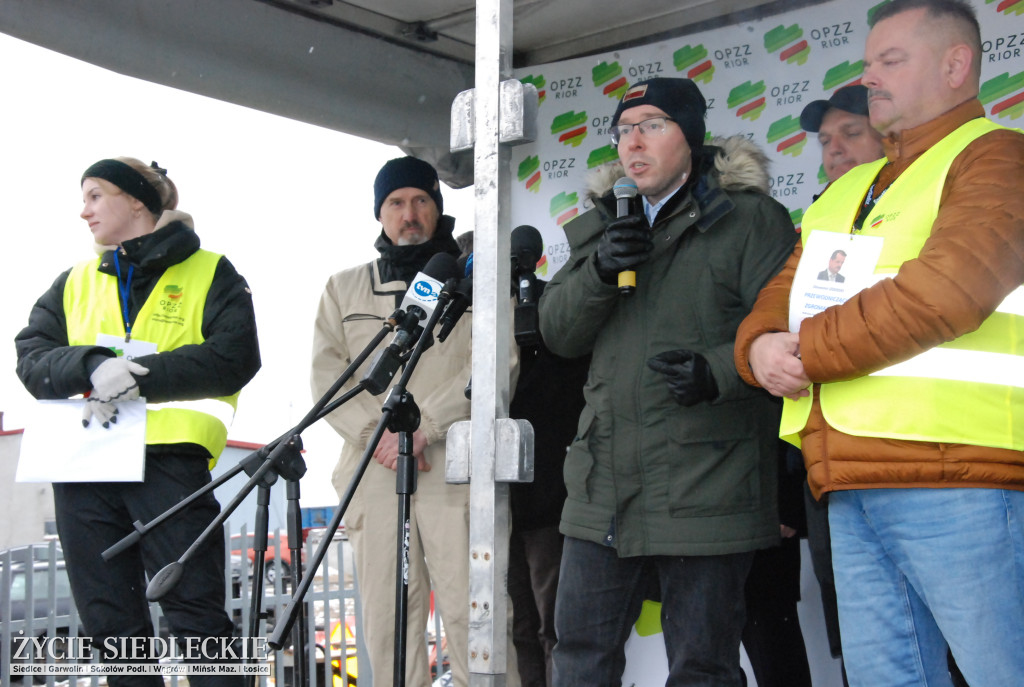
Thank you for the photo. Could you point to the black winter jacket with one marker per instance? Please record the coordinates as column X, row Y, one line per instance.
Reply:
column 646, row 475
column 227, row 359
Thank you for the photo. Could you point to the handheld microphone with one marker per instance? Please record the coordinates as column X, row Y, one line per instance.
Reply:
column 527, row 248
column 418, row 304
column 462, row 297
column 625, row 191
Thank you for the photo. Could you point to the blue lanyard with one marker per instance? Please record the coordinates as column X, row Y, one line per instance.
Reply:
column 125, row 289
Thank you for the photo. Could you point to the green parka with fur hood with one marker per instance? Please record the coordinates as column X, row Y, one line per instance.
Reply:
column 645, row 474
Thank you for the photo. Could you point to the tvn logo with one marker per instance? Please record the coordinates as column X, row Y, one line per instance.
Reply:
column 426, row 291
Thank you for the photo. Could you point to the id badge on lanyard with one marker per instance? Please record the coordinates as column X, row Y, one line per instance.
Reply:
column 127, row 349
column 833, row 267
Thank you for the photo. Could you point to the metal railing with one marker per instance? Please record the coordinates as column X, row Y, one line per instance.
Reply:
column 332, row 604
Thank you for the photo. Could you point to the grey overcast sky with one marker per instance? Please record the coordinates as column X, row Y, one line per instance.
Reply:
column 287, row 202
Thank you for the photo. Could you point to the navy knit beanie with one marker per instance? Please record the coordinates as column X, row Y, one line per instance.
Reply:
column 403, row 172
column 680, row 99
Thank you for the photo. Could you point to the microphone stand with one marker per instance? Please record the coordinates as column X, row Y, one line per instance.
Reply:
column 404, row 420
column 401, row 415
column 281, row 457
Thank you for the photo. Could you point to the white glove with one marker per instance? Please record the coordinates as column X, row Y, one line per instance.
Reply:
column 105, row 413
column 113, row 380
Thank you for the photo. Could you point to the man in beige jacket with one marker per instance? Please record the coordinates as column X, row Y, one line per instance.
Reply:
column 356, row 301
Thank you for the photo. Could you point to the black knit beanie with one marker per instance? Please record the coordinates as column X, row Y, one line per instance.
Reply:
column 680, row 99
column 405, row 172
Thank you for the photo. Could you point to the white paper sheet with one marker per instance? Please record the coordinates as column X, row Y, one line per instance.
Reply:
column 56, row 448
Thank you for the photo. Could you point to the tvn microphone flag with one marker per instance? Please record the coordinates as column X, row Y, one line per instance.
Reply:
column 426, row 287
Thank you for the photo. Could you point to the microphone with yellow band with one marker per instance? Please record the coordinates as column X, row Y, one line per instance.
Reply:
column 625, row 192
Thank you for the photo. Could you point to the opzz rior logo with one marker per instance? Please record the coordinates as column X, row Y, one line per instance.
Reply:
column 694, row 61
column 748, row 100
column 610, row 77
column 792, row 36
column 844, row 74
column 529, row 172
column 1008, row 6
column 571, row 127
column 563, row 207
column 788, row 136
column 538, row 82
column 1003, row 95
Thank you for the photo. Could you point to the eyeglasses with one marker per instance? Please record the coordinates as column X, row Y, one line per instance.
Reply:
column 655, row 125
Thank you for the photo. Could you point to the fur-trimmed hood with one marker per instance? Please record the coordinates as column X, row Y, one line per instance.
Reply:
column 739, row 164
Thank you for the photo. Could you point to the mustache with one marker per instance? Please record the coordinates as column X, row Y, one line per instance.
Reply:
column 877, row 92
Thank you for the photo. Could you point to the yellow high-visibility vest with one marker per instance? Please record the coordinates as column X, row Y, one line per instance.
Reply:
column 171, row 317
column 967, row 391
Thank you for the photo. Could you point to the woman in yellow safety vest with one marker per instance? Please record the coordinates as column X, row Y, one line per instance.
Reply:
column 154, row 327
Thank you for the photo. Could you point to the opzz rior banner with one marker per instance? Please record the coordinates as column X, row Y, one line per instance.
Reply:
column 757, row 77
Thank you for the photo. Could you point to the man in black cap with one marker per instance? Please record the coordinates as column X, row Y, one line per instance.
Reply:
column 408, row 204
column 671, row 480
column 846, row 136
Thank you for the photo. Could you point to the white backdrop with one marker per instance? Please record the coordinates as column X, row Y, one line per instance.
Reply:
column 756, row 77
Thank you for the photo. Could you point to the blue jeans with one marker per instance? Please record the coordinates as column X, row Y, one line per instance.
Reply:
column 919, row 568
column 599, row 599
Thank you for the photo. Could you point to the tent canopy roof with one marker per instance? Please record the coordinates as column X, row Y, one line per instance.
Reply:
column 386, row 70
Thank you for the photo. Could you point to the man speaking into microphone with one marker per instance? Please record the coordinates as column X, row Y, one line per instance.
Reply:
column 671, row 480
column 354, row 305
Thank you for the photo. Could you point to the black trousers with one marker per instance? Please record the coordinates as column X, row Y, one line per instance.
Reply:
column 111, row 595
column 600, row 597
column 534, row 558
column 772, row 636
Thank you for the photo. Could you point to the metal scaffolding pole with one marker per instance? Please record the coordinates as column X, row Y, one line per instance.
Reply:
column 490, row 451
column 489, row 518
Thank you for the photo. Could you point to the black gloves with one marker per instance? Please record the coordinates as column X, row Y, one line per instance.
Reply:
column 626, row 243
column 688, row 375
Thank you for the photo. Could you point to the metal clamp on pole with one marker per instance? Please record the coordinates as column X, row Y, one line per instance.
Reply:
column 517, row 122
column 513, row 452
